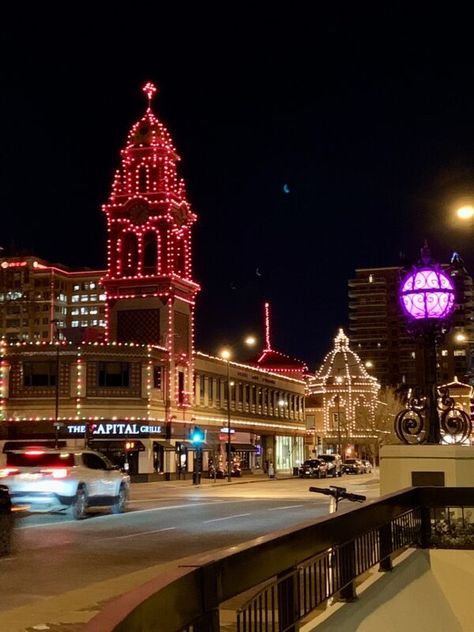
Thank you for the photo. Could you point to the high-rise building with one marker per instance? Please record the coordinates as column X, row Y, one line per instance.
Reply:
column 378, row 328
column 40, row 301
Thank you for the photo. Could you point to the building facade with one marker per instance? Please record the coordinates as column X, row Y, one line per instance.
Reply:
column 139, row 388
column 40, row 302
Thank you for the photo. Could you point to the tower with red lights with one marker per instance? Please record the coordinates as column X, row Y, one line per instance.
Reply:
column 149, row 285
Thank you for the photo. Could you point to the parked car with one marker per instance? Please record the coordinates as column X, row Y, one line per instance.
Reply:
column 354, row 466
column 313, row 468
column 334, row 463
column 53, row 479
column 367, row 465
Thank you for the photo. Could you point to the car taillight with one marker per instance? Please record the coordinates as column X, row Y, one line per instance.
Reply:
column 56, row 472
column 8, row 471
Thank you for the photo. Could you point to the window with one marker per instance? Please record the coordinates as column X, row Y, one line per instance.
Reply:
column 75, row 323
column 459, row 352
column 114, row 374
column 85, row 298
column 102, row 297
column 39, row 374
column 75, row 298
column 94, row 461
column 93, row 297
column 93, row 310
column 75, row 311
column 157, row 377
column 202, row 384
column 92, row 285
column 75, row 288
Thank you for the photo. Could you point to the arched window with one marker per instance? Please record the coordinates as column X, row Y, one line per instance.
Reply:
column 150, row 253
column 129, row 254
column 180, row 258
column 143, row 179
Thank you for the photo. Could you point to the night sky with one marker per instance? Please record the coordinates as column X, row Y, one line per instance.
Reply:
column 310, row 146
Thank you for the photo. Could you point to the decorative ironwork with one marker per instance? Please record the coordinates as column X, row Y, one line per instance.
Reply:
column 455, row 422
column 411, row 424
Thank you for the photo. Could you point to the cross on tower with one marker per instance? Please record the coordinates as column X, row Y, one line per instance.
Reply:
column 150, row 89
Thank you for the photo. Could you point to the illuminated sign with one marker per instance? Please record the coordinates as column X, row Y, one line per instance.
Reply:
column 115, row 429
column 226, row 430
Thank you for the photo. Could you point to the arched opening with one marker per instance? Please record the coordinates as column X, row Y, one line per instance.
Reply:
column 180, row 258
column 129, row 254
column 143, row 179
column 150, row 253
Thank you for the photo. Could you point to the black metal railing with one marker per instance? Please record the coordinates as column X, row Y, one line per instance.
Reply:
column 294, row 571
column 283, row 601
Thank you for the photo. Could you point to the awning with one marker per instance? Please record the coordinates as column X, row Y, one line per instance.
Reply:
column 243, row 447
column 167, row 445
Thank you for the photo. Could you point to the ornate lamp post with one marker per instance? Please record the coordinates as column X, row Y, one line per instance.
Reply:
column 427, row 298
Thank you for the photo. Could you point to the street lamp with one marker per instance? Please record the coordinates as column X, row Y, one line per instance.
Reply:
column 427, row 299
column 226, row 355
column 57, row 423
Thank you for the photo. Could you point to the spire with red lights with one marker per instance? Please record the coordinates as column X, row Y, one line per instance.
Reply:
column 276, row 362
column 148, row 215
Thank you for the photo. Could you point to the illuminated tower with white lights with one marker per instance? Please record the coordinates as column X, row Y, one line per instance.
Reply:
column 150, row 290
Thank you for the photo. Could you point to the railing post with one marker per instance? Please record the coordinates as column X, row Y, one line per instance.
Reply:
column 209, row 621
column 347, row 571
column 385, row 547
column 288, row 609
column 425, row 535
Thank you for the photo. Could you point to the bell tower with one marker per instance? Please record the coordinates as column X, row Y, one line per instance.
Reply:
column 149, row 286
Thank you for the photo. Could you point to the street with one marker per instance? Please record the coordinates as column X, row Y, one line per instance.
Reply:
column 164, row 522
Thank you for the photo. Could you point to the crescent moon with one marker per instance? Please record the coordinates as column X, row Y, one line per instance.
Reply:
column 286, row 188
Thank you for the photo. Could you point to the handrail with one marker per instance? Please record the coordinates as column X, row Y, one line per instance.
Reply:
column 191, row 595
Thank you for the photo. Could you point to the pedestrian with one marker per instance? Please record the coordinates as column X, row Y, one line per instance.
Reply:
column 271, row 470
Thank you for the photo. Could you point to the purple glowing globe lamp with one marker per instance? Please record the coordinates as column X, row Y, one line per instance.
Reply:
column 427, row 293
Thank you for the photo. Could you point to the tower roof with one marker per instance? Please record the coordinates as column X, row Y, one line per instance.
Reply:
column 275, row 361
column 149, row 131
column 342, row 366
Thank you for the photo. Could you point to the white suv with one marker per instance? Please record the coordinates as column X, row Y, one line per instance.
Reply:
column 46, row 480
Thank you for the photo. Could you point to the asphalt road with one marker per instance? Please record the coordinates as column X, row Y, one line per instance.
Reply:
column 165, row 521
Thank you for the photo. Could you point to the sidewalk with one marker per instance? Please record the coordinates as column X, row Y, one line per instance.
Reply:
column 257, row 476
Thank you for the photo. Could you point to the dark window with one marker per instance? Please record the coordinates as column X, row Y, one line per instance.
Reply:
column 181, row 394
column 94, row 461
column 39, row 374
column 150, row 253
column 157, row 377
column 114, row 374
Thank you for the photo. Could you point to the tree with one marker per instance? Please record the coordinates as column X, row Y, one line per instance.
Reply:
column 388, row 405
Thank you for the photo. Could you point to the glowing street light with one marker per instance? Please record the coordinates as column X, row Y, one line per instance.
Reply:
column 465, row 212
column 226, row 355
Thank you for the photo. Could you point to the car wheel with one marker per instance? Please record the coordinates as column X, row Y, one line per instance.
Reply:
column 120, row 501
column 79, row 505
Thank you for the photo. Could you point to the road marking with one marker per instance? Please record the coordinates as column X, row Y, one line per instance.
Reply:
column 132, row 535
column 109, row 517
column 285, row 507
column 227, row 518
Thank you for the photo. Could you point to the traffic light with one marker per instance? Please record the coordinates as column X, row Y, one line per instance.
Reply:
column 130, row 445
column 197, row 436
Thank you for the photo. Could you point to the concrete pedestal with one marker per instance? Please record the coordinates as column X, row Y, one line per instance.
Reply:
column 404, row 466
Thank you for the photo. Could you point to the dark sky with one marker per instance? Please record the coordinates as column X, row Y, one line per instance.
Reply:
column 368, row 120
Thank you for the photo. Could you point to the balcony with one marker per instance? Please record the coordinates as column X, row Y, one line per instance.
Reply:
column 289, row 576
